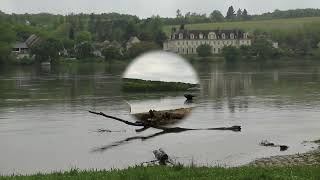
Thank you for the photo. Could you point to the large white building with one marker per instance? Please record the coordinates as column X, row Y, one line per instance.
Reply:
column 184, row 41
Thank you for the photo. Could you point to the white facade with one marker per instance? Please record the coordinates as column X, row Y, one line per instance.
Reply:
column 187, row 42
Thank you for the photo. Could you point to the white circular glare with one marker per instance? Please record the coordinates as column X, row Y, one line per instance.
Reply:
column 158, row 86
column 161, row 66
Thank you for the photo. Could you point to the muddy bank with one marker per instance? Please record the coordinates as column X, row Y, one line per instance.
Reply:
column 309, row 158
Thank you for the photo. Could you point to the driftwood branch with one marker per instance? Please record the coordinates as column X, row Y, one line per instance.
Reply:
column 166, row 129
column 118, row 119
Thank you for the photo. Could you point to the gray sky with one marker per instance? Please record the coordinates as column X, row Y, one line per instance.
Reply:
column 147, row 8
column 161, row 66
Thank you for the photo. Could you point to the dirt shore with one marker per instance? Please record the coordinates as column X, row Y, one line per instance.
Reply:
column 309, row 158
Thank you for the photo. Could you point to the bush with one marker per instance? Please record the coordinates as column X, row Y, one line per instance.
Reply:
column 204, row 50
column 5, row 51
column 111, row 53
column 84, row 50
column 26, row 61
column 231, row 53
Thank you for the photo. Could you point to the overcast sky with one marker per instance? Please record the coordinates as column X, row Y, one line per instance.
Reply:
column 147, row 8
column 161, row 66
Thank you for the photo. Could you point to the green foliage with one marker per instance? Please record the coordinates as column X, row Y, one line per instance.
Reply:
column 216, row 16
column 68, row 43
column 231, row 53
column 84, row 50
column 24, row 61
column 262, row 48
column 178, row 172
column 231, row 13
column 5, row 51
column 7, row 34
column 140, row 48
column 160, row 37
column 111, row 53
column 316, row 53
column 83, row 36
column 204, row 50
column 137, row 85
column 47, row 50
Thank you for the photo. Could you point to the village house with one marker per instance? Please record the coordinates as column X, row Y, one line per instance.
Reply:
column 22, row 49
column 132, row 41
column 184, row 41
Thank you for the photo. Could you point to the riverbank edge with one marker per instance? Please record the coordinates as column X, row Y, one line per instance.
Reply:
column 309, row 158
column 181, row 172
column 296, row 166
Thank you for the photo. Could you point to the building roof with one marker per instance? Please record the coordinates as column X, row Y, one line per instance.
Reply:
column 133, row 39
column 218, row 32
column 32, row 40
column 20, row 45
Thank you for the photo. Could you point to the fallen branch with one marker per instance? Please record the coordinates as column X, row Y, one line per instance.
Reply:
column 118, row 119
column 145, row 125
column 166, row 129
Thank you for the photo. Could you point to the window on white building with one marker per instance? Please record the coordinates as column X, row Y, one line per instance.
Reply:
column 231, row 36
column 223, row 36
column 212, row 35
column 180, row 36
column 200, row 36
column 191, row 36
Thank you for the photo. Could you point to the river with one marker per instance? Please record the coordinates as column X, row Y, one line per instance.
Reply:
column 45, row 125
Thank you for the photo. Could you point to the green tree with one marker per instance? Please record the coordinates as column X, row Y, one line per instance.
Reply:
column 245, row 15
column 47, row 50
column 84, row 50
column 216, row 16
column 231, row 53
column 160, row 37
column 111, row 53
column 5, row 51
column 204, row 50
column 239, row 14
column 140, row 48
column 83, row 36
column 6, row 33
column 231, row 13
column 262, row 48
column 179, row 15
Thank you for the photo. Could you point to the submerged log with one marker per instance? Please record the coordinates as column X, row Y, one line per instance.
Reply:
column 163, row 117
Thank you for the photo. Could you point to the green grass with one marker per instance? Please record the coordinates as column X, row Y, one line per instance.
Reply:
column 137, row 85
column 179, row 172
column 266, row 25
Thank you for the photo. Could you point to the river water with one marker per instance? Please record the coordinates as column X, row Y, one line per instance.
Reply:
column 45, row 125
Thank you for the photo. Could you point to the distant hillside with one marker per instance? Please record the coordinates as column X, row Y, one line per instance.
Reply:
column 265, row 25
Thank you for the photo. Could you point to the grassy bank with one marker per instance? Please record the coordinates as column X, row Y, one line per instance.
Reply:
column 159, row 172
column 137, row 85
column 275, row 24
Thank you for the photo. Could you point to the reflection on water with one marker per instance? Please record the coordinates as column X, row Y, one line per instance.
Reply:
column 166, row 103
column 45, row 126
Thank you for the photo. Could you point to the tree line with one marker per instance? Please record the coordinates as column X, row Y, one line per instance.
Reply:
column 239, row 14
column 79, row 30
